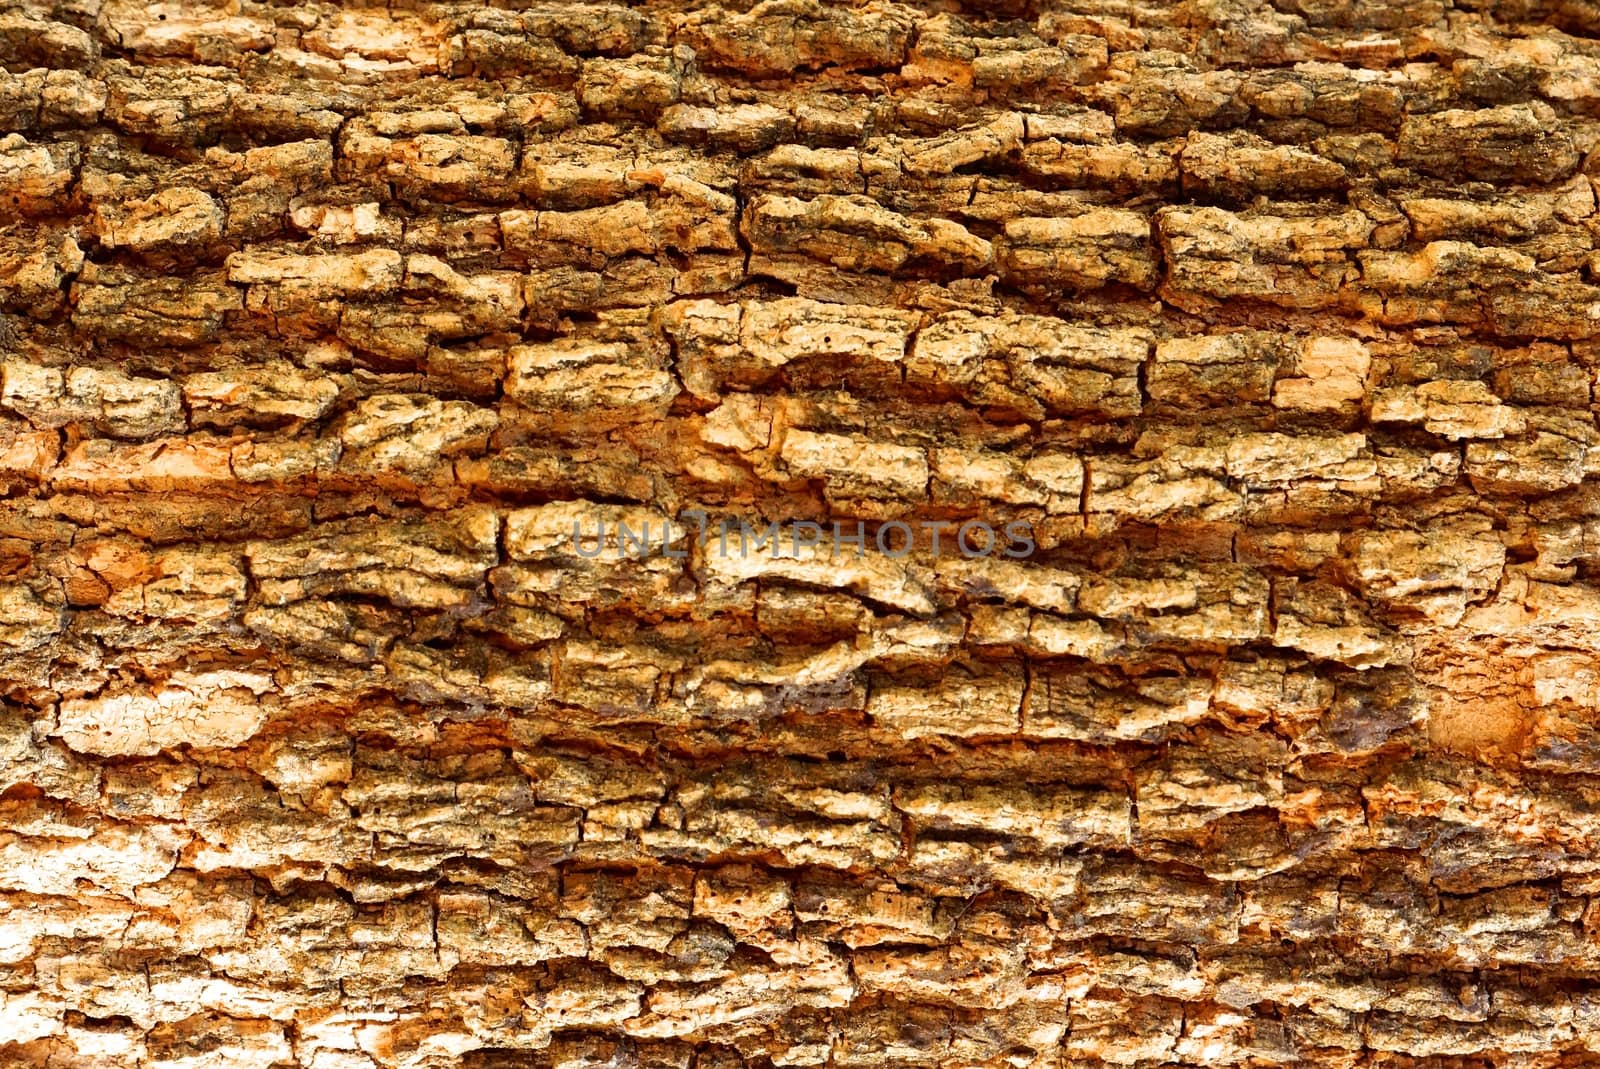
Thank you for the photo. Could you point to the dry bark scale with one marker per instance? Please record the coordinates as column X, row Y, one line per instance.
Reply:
column 1276, row 322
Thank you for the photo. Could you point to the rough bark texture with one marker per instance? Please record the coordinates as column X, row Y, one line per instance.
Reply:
column 324, row 748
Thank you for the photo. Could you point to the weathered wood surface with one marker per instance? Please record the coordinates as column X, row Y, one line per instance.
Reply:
column 1277, row 323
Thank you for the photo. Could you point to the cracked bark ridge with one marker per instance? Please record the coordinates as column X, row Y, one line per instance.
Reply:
column 1277, row 322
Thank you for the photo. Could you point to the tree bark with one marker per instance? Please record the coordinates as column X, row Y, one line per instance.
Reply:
column 1261, row 337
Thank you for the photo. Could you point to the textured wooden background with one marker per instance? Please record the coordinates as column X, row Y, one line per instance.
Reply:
column 1276, row 322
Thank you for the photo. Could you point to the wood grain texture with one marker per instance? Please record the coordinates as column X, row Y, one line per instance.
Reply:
column 1275, row 324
